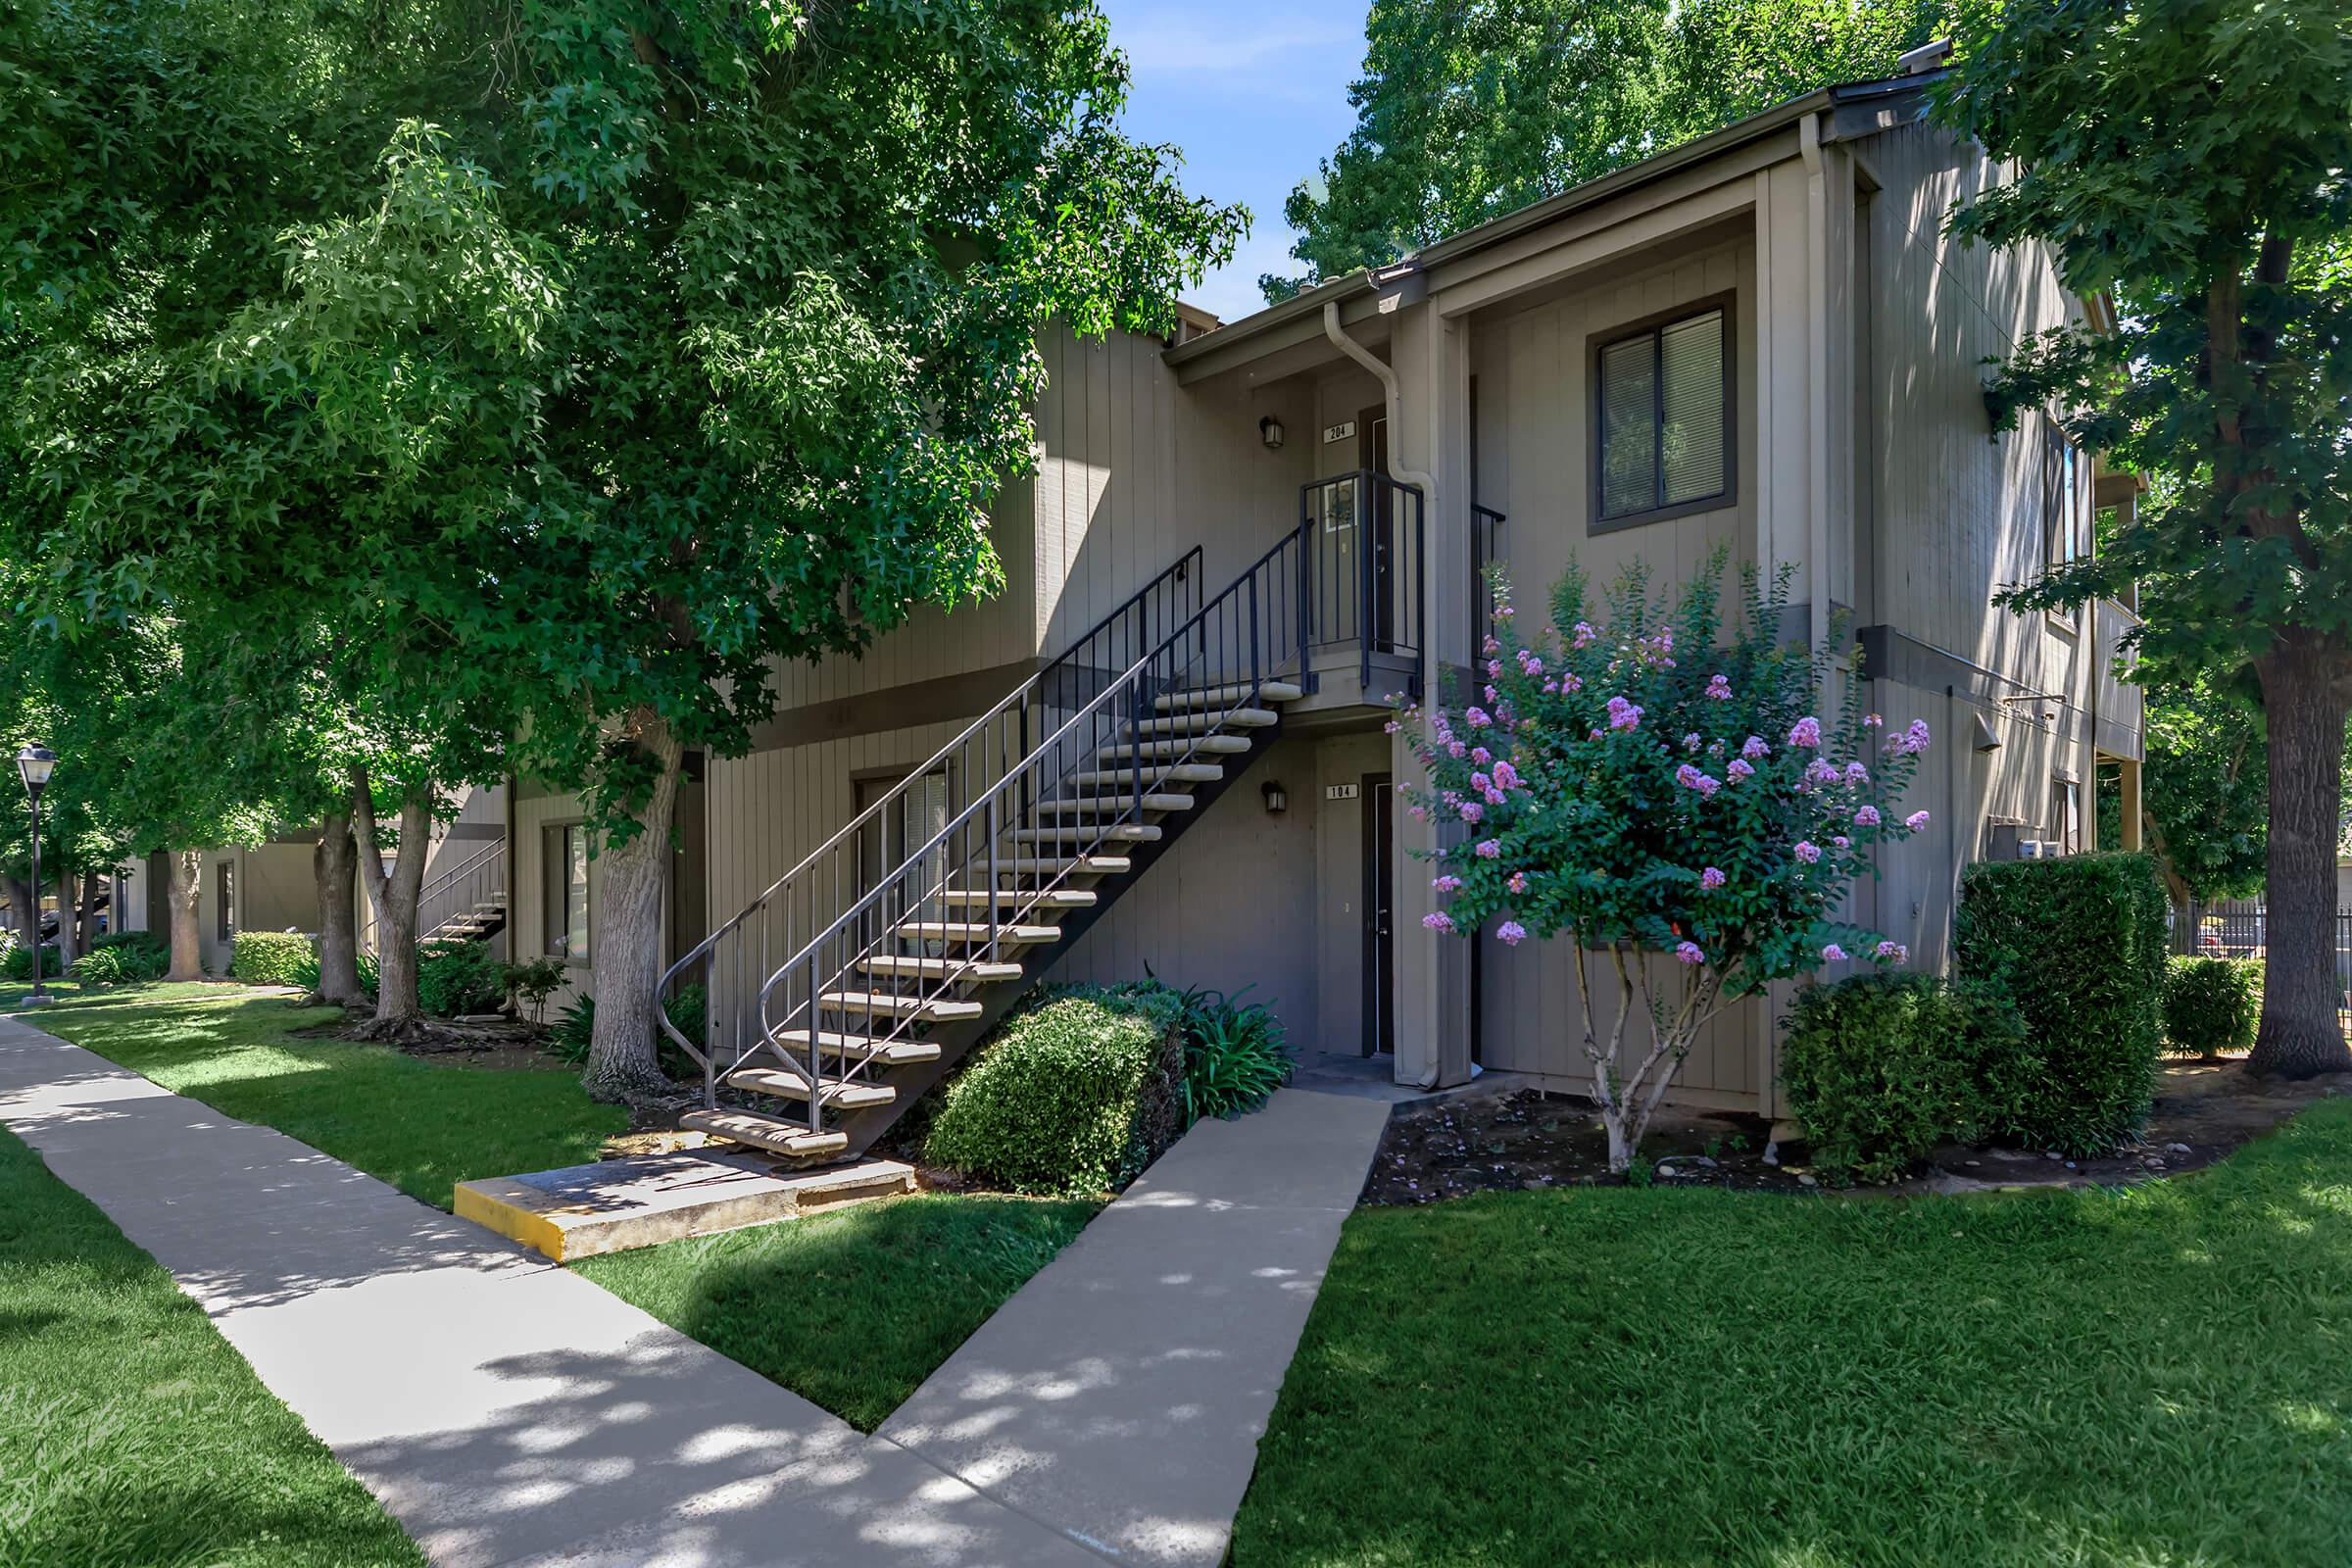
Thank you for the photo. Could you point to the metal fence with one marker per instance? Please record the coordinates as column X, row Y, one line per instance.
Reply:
column 2240, row 928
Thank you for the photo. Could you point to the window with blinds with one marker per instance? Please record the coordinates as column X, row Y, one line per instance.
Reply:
column 1664, row 419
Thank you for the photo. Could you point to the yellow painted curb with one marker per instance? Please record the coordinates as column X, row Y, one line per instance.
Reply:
column 506, row 1213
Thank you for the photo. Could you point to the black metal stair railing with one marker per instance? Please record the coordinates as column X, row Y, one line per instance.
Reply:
column 1062, row 815
column 731, row 963
column 891, row 926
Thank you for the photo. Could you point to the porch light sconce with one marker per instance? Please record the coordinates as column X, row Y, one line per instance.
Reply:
column 1269, row 430
column 1277, row 800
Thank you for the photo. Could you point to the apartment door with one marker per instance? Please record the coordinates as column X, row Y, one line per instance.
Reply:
column 1380, row 907
column 884, row 844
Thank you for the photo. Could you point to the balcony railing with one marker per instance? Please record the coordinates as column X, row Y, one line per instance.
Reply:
column 1361, row 536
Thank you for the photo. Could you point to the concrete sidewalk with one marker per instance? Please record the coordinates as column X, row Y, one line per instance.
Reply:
column 507, row 1412
column 504, row 1411
column 1121, row 1393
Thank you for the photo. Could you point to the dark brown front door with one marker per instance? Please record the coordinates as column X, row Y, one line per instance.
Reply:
column 1380, row 909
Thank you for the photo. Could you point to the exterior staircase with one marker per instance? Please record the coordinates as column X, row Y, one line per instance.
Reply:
column 467, row 902
column 840, row 995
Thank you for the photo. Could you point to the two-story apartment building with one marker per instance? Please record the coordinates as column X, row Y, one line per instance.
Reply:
column 1161, row 749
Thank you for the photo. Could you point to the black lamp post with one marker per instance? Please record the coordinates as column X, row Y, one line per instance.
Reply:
column 35, row 763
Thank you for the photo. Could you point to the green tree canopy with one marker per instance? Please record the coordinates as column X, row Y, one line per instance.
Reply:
column 2191, row 156
column 1470, row 109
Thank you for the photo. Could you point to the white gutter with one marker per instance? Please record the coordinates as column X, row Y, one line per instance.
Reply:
column 1387, row 373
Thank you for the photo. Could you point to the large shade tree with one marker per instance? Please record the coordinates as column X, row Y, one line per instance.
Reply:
column 2192, row 156
column 1469, row 109
column 609, row 353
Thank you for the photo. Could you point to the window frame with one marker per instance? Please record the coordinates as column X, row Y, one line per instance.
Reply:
column 554, row 931
column 2079, row 529
column 1655, row 326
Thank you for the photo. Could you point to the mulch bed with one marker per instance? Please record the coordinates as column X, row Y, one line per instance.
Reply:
column 1525, row 1140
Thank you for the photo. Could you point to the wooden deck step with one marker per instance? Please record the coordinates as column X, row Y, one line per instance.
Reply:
column 764, row 1132
column 1015, row 902
column 1096, row 805
column 938, row 968
column 1201, row 723
column 1123, row 832
column 1153, row 776
column 1200, row 744
column 881, row 1003
column 1272, row 691
column 888, row 1054
column 785, row 1084
column 976, row 930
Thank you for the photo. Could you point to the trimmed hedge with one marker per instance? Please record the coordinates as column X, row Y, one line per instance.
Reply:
column 1079, row 1089
column 1882, row 1066
column 2211, row 1004
column 271, row 958
column 2079, row 945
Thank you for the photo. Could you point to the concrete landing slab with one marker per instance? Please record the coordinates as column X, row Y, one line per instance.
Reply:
column 614, row 1205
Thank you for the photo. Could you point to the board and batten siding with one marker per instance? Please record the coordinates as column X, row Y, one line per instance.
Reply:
column 1535, row 452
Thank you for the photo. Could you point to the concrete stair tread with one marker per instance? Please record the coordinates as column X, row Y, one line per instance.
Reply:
column 1199, row 723
column 1095, row 804
column 786, row 1084
column 1056, row 865
column 888, row 1052
column 933, row 1010
column 1129, row 832
column 1271, row 691
column 764, row 1132
column 1226, row 745
column 939, row 968
column 1009, row 903
column 976, row 931
column 1154, row 775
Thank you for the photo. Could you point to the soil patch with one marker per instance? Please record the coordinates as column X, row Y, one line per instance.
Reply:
column 495, row 1045
column 1532, row 1141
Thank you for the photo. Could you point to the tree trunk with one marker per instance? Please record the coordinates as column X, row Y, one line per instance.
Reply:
column 185, row 894
column 623, row 1053
column 2300, row 1035
column 68, row 921
column 335, row 867
column 393, row 895
column 22, row 912
column 91, row 885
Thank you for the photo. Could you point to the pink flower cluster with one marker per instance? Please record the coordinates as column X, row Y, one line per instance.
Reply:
column 1511, row 932
column 1808, row 852
column 1691, row 778
column 1690, row 952
column 1713, row 878
column 1913, row 740
column 1719, row 688
column 1624, row 716
column 1805, row 733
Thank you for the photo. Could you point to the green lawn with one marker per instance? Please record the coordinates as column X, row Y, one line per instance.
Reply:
column 421, row 1125
column 852, row 1309
column 2155, row 1377
column 131, row 1436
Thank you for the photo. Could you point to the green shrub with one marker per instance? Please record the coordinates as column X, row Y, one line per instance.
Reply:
column 2211, row 1004
column 114, row 963
column 1882, row 1067
column 1076, row 1092
column 154, row 941
column 18, row 964
column 1235, row 1056
column 2079, row 945
column 271, row 958
column 457, row 977
column 530, row 983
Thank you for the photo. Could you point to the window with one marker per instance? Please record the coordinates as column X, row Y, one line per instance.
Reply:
column 568, row 893
column 2061, row 527
column 1662, row 418
column 226, row 898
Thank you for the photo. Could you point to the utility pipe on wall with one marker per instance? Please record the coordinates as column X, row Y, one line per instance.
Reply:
column 1387, row 373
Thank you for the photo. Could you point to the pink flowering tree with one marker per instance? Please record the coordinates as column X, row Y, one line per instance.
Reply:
column 1648, row 784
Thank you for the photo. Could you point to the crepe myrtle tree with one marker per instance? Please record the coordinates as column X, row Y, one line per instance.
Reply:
column 1641, row 785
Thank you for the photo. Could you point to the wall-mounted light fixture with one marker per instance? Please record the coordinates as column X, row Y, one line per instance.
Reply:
column 1269, row 430
column 1277, row 800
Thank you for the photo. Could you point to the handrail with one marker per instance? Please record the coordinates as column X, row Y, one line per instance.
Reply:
column 1164, row 588
column 455, row 883
column 1133, row 690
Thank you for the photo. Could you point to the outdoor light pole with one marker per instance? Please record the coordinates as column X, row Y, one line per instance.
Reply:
column 34, row 764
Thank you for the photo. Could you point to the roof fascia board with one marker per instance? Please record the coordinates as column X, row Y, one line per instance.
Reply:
column 1585, row 240
column 1212, row 357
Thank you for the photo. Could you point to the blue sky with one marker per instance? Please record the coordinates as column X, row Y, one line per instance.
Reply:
column 1255, row 94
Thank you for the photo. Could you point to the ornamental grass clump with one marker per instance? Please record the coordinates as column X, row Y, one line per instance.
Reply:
column 1641, row 785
